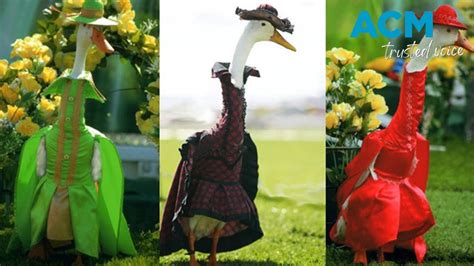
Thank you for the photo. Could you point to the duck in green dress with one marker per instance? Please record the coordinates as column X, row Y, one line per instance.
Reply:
column 69, row 188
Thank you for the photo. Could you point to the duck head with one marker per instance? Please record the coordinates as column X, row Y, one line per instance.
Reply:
column 447, row 28
column 91, row 34
column 264, row 25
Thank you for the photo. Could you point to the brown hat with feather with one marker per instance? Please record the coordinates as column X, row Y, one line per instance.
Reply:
column 268, row 13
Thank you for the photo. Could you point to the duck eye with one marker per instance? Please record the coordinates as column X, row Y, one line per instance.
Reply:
column 448, row 30
column 263, row 24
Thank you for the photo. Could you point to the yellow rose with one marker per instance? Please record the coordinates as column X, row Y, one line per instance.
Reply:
column 377, row 103
column 154, row 105
column 122, row 5
column 21, row 64
column 370, row 78
column 94, row 57
column 26, row 127
column 374, row 122
column 357, row 122
column 381, row 64
column 343, row 110
column 126, row 24
column 356, row 89
column 14, row 113
column 145, row 126
column 46, row 107
column 29, row 82
column 30, row 47
column 40, row 37
column 332, row 120
column 341, row 56
column 48, row 75
column 150, row 43
column 332, row 71
column 3, row 67
column 8, row 94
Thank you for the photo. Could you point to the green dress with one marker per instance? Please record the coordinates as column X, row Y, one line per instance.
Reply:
column 67, row 196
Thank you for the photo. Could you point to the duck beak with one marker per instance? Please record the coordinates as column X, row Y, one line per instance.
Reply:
column 99, row 40
column 464, row 43
column 277, row 38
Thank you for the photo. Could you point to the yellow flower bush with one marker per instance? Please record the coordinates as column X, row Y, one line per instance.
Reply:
column 28, row 82
column 445, row 65
column 332, row 120
column 21, row 64
column 351, row 102
column 370, row 79
column 13, row 114
column 94, row 57
column 126, row 24
column 341, row 56
column 27, row 127
column 7, row 93
column 31, row 48
column 48, row 75
column 122, row 5
column 3, row 67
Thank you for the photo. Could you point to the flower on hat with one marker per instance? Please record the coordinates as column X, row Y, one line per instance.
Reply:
column 341, row 56
column 7, row 93
column 26, row 127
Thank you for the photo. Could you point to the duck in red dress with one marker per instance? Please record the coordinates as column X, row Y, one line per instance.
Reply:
column 210, row 205
column 382, row 202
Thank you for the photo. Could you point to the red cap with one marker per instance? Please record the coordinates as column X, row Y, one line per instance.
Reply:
column 446, row 15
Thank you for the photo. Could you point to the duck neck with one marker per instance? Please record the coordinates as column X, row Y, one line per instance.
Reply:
column 237, row 67
column 80, row 59
column 419, row 63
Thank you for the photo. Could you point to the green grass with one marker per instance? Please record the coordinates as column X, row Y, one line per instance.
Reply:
column 290, row 204
column 146, row 244
column 451, row 193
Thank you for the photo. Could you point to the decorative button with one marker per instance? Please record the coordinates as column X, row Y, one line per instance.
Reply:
column 68, row 119
column 66, row 157
column 70, row 98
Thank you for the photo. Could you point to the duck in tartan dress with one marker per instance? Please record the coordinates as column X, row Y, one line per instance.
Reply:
column 210, row 204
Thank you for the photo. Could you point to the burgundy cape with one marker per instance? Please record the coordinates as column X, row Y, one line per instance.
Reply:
column 389, row 208
column 217, row 177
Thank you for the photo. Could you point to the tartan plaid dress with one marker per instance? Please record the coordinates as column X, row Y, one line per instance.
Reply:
column 217, row 177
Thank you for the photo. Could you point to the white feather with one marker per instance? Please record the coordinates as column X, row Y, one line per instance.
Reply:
column 41, row 158
column 96, row 163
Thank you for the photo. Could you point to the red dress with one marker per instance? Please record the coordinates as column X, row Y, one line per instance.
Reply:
column 383, row 202
column 217, row 177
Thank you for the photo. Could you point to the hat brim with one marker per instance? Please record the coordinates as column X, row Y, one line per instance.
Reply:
column 259, row 14
column 455, row 24
column 94, row 21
